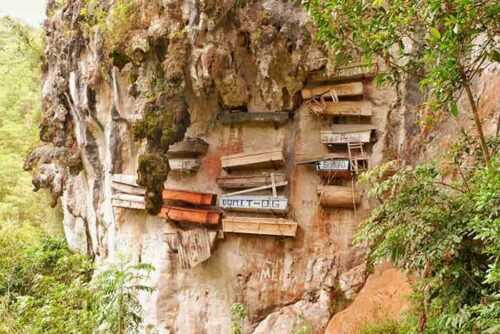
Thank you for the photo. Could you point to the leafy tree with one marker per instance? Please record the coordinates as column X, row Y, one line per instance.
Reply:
column 445, row 44
column 444, row 224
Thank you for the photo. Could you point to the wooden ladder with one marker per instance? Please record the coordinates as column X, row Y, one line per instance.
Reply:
column 351, row 148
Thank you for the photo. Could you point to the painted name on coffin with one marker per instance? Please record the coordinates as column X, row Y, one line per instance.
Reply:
column 331, row 165
column 259, row 203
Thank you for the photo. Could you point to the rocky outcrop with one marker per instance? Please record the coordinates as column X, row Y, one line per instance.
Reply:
column 385, row 296
column 126, row 79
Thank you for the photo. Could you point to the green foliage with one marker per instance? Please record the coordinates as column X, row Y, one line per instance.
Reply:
column 44, row 287
column 114, row 22
column 383, row 327
column 238, row 315
column 20, row 110
column 447, row 230
column 119, row 310
column 443, row 44
column 430, row 38
column 305, row 326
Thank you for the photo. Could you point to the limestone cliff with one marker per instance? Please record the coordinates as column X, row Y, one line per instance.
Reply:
column 124, row 80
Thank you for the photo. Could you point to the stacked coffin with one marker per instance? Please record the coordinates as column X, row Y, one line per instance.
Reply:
column 239, row 117
column 185, row 156
column 249, row 193
column 126, row 192
column 340, row 95
column 198, row 212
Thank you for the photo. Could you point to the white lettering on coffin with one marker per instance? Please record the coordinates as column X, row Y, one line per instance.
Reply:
column 332, row 165
column 264, row 203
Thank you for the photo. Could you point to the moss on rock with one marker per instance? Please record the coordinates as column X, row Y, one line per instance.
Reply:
column 152, row 173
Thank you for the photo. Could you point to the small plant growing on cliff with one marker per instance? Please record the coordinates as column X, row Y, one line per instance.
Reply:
column 119, row 310
column 305, row 326
column 238, row 315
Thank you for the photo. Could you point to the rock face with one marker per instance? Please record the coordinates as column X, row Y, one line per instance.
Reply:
column 126, row 79
column 384, row 296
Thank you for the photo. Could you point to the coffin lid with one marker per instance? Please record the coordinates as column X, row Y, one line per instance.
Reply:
column 330, row 156
column 350, row 128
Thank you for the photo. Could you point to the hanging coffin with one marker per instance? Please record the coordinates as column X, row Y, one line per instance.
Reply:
column 184, row 165
column 260, row 226
column 342, row 108
column 196, row 216
column 338, row 197
column 128, row 201
column 192, row 246
column 244, row 117
column 347, row 133
column 251, row 181
column 130, row 180
column 195, row 198
column 353, row 71
column 261, row 159
column 254, row 203
column 338, row 90
column 190, row 147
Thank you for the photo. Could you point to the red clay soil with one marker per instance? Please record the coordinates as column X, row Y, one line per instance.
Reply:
column 384, row 296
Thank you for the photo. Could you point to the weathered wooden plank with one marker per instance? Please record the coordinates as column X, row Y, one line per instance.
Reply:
column 128, row 201
column 254, row 203
column 127, row 189
column 342, row 108
column 353, row 71
column 330, row 137
column 189, row 147
column 338, row 197
column 339, row 90
column 192, row 197
column 272, row 158
column 184, row 165
column 260, row 226
column 197, row 216
column 243, row 117
column 192, row 246
column 125, row 179
column 250, row 181
column 118, row 203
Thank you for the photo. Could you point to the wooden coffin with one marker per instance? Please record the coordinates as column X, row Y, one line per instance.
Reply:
column 191, row 197
column 192, row 246
column 348, row 133
column 127, row 189
column 342, row 108
column 130, row 180
column 353, row 71
column 197, row 216
column 338, row 197
column 261, row 159
column 260, row 226
column 184, row 165
column 254, row 203
column 189, row 147
column 243, row 117
column 128, row 201
column 251, row 181
column 339, row 90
